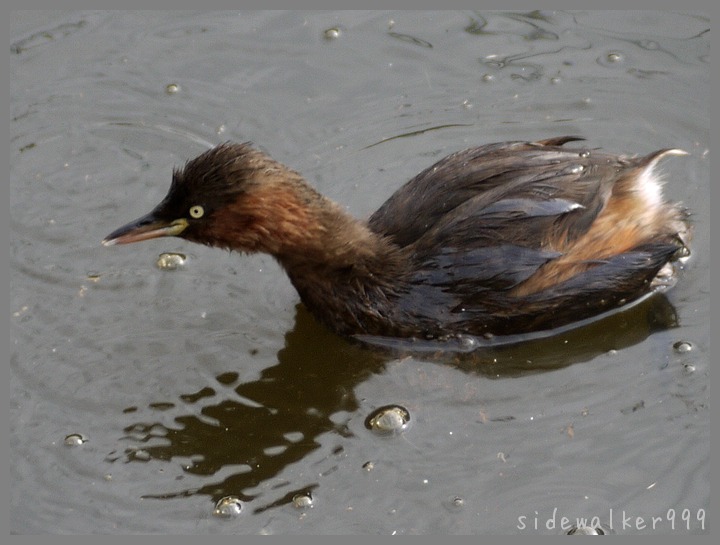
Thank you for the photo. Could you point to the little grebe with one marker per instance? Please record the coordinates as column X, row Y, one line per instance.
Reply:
column 501, row 239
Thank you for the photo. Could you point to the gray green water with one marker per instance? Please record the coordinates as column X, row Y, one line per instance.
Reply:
column 181, row 387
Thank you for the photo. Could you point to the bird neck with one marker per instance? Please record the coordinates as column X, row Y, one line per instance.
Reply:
column 331, row 243
column 347, row 275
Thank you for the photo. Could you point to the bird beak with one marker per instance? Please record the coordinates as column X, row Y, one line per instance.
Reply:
column 145, row 228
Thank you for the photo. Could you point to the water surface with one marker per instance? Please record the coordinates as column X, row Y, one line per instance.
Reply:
column 182, row 387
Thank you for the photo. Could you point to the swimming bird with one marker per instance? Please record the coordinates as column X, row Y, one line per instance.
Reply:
column 501, row 239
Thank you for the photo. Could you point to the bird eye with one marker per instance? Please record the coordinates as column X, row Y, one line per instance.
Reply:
column 197, row 211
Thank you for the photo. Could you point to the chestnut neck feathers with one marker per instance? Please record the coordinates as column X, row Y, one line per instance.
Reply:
column 255, row 204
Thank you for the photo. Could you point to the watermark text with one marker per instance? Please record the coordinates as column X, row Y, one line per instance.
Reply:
column 672, row 520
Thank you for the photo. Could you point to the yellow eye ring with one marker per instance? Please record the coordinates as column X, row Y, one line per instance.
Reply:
column 197, row 211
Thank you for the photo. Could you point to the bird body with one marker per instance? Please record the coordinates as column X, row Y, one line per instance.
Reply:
column 501, row 239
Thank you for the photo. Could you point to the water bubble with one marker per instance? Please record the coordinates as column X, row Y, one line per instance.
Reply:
column 487, row 78
column 598, row 530
column 332, row 33
column 228, row 507
column 683, row 347
column 74, row 440
column 556, row 80
column 170, row 261
column 369, row 466
column 454, row 504
column 388, row 420
column 682, row 254
column 612, row 59
column 584, row 154
column 172, row 88
column 303, row 500
column 688, row 368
